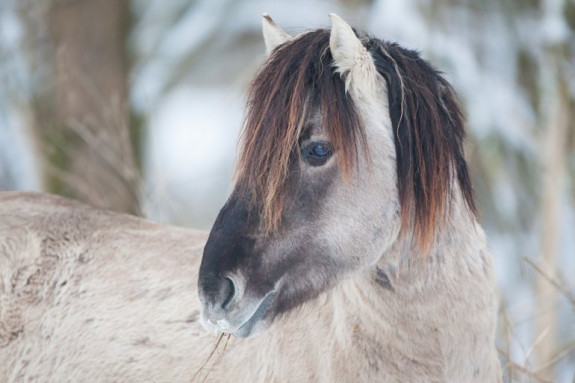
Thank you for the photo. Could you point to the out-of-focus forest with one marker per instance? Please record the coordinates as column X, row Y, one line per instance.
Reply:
column 136, row 106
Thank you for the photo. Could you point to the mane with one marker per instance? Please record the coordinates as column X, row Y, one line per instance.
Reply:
column 427, row 124
column 429, row 132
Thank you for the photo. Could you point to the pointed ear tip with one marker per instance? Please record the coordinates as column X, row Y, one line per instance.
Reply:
column 334, row 18
column 267, row 18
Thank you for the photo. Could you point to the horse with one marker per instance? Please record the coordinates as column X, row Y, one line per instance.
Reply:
column 349, row 248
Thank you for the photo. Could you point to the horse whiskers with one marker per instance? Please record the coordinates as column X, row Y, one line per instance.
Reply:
column 221, row 354
column 203, row 366
column 226, row 344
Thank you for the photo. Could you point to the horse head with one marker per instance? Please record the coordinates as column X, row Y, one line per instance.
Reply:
column 351, row 145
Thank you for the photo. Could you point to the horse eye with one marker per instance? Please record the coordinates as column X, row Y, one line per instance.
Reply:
column 317, row 153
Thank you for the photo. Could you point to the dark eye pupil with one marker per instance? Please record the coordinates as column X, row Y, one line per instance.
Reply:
column 319, row 150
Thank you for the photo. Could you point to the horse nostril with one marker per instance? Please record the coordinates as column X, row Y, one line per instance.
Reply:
column 216, row 292
column 228, row 292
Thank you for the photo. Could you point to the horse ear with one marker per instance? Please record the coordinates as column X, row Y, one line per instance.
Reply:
column 351, row 58
column 273, row 35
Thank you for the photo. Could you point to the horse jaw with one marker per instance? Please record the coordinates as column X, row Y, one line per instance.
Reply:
column 352, row 61
column 273, row 35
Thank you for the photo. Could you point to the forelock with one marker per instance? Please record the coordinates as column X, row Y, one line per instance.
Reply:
column 296, row 75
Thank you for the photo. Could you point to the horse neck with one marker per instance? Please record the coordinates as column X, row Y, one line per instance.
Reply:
column 459, row 250
column 436, row 309
column 430, row 318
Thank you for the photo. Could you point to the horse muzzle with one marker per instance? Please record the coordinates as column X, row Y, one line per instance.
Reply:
column 226, row 308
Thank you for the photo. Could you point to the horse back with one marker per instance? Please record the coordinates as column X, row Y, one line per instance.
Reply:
column 86, row 292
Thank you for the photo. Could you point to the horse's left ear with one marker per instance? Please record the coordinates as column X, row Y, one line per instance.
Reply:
column 273, row 35
column 351, row 58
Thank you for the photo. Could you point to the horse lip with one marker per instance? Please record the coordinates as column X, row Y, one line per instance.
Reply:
column 247, row 327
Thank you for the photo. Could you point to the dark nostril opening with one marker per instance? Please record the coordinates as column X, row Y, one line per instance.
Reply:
column 228, row 292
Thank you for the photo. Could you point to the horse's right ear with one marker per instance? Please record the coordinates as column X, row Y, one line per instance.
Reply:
column 273, row 35
column 351, row 59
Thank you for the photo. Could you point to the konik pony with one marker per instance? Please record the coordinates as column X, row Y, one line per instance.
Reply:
column 348, row 251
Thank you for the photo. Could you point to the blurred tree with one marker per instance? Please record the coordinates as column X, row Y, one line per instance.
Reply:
column 85, row 130
column 553, row 179
column 556, row 126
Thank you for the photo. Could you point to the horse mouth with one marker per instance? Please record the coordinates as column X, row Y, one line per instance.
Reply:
column 247, row 329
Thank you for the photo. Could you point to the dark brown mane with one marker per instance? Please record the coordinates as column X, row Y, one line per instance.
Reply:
column 429, row 131
column 427, row 123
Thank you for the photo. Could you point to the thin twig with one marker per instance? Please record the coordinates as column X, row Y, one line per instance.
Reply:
column 508, row 334
column 559, row 355
column 551, row 280
column 522, row 369
column 539, row 339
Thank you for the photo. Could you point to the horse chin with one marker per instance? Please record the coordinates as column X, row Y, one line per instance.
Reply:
column 259, row 321
column 245, row 321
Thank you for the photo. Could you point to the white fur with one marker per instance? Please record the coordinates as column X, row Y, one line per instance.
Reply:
column 273, row 35
column 352, row 60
